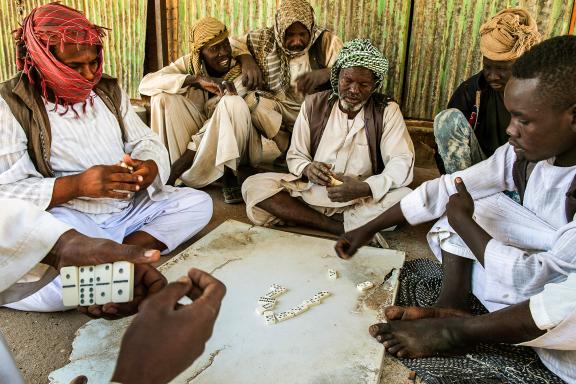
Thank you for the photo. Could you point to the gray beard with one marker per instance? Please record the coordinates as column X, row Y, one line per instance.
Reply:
column 347, row 107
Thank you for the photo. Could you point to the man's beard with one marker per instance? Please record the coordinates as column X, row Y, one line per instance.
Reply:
column 347, row 107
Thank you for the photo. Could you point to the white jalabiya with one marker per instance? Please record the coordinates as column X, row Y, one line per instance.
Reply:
column 345, row 146
column 171, row 215
column 533, row 245
column 78, row 143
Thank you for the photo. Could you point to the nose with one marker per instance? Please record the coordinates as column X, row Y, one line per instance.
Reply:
column 492, row 75
column 86, row 72
column 354, row 88
column 511, row 130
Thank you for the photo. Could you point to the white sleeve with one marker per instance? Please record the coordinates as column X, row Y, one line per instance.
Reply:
column 169, row 79
column 19, row 179
column 27, row 234
column 428, row 201
column 143, row 144
column 298, row 155
column 397, row 151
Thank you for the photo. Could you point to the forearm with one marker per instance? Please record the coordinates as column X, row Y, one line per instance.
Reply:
column 475, row 237
column 323, row 75
column 391, row 217
column 511, row 325
column 65, row 189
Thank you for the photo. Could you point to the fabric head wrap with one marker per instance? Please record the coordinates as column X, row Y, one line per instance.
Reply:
column 359, row 53
column 508, row 35
column 48, row 26
column 207, row 32
column 290, row 12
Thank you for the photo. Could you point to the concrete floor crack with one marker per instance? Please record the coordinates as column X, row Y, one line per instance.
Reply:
column 209, row 363
column 224, row 264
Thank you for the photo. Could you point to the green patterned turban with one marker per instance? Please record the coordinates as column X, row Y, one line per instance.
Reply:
column 359, row 53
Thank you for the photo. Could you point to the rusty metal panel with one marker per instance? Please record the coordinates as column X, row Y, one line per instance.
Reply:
column 444, row 47
column 124, row 46
column 385, row 22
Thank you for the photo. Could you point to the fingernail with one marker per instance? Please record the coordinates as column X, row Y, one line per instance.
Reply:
column 458, row 180
column 150, row 253
column 140, row 178
column 183, row 279
column 137, row 187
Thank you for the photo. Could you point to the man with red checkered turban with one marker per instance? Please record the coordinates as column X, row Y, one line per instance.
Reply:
column 71, row 143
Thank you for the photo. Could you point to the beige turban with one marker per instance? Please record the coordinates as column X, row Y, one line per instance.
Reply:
column 508, row 35
column 207, row 32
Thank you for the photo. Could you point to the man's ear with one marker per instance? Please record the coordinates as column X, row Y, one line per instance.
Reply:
column 573, row 117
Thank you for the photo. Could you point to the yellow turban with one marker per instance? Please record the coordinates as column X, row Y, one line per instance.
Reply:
column 205, row 32
column 508, row 35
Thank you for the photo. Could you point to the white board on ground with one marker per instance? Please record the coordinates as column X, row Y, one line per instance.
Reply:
column 329, row 343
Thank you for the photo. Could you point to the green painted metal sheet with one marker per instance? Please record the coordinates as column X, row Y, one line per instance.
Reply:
column 124, row 46
column 444, row 47
column 385, row 22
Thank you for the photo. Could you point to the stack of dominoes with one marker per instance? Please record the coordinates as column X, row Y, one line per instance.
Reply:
column 98, row 284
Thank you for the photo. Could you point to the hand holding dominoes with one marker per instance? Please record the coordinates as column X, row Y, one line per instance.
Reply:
column 76, row 249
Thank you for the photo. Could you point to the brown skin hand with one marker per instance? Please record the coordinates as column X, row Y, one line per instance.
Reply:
column 161, row 318
column 497, row 73
column 449, row 335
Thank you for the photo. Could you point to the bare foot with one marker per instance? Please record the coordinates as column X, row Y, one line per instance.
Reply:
column 413, row 313
column 422, row 338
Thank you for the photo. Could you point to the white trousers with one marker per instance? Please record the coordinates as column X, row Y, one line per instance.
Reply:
column 172, row 221
column 226, row 139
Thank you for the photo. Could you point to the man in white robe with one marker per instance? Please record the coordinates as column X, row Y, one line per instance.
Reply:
column 513, row 257
column 350, row 134
column 282, row 64
column 64, row 131
column 198, row 110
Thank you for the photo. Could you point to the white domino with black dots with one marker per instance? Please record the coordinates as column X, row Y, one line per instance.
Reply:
column 97, row 284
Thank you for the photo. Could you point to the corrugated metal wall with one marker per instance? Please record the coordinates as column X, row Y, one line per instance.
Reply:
column 124, row 46
column 385, row 22
column 444, row 48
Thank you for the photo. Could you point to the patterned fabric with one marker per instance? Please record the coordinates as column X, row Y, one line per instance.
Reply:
column 207, row 32
column 420, row 283
column 267, row 44
column 46, row 27
column 457, row 144
column 508, row 35
column 359, row 53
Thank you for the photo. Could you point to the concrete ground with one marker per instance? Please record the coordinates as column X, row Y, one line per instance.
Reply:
column 41, row 342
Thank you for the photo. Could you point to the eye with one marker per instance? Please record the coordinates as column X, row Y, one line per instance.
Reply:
column 523, row 122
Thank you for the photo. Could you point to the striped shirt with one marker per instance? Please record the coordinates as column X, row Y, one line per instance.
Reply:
column 95, row 138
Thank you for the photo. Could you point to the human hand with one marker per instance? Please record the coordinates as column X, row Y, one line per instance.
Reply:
column 460, row 206
column 147, row 282
column 165, row 338
column 146, row 170
column 252, row 77
column 318, row 173
column 348, row 243
column 307, row 82
column 112, row 181
column 351, row 188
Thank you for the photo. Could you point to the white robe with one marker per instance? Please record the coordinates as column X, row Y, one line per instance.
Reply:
column 533, row 245
column 345, row 146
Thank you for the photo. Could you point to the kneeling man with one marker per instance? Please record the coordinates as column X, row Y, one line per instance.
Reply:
column 351, row 156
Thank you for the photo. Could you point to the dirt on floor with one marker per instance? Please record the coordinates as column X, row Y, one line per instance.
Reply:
column 42, row 342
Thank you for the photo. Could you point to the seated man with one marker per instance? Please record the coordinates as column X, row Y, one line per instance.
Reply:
column 284, row 63
column 504, row 252
column 351, row 134
column 475, row 123
column 203, row 122
column 31, row 237
column 64, row 128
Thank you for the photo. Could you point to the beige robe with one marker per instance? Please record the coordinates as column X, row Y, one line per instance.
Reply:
column 189, row 118
column 345, row 146
column 270, row 115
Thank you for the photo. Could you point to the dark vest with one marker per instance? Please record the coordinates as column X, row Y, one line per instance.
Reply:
column 520, row 174
column 318, row 108
column 28, row 108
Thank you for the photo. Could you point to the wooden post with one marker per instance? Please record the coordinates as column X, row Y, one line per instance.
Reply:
column 573, row 22
column 156, row 37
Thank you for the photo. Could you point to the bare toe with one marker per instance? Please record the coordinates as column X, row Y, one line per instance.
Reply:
column 378, row 329
column 394, row 312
